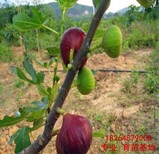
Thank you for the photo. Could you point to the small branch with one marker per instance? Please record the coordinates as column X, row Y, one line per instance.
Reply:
column 42, row 141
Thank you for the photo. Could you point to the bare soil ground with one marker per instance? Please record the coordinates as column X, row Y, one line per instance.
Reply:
column 119, row 104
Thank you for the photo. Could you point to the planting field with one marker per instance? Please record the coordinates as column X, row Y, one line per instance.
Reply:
column 119, row 105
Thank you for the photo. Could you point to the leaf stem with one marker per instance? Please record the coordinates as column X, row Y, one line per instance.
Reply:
column 61, row 111
column 55, row 71
column 64, row 11
column 55, row 32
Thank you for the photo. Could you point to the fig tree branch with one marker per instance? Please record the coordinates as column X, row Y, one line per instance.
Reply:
column 46, row 136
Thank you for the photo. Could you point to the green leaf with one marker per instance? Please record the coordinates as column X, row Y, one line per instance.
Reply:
column 38, row 110
column 11, row 120
column 22, row 76
column 38, row 61
column 40, row 105
column 30, row 70
column 21, row 139
column 36, row 115
column 44, row 64
column 40, row 77
column 38, row 16
column 100, row 133
column 37, row 124
column 37, row 78
column 42, row 90
column 50, row 62
column 13, row 137
column 24, row 22
column 65, row 5
column 53, row 92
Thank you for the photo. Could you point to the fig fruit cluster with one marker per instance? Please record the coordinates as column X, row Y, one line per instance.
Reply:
column 112, row 41
column 72, row 40
column 75, row 136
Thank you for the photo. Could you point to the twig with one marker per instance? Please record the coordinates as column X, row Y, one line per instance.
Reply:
column 42, row 141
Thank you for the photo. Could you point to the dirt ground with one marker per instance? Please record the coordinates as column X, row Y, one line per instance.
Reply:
column 119, row 104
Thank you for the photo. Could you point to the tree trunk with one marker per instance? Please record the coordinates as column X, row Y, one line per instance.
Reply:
column 157, row 2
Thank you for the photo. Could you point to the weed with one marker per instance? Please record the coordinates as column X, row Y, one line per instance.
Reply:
column 1, row 88
column 6, row 54
column 152, row 77
column 131, row 83
column 19, row 83
column 19, row 95
column 98, row 117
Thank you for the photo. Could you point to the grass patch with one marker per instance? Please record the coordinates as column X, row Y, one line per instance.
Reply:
column 1, row 88
column 6, row 54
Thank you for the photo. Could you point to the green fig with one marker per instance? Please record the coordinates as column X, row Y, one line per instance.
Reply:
column 112, row 41
column 97, row 3
column 146, row 3
column 85, row 81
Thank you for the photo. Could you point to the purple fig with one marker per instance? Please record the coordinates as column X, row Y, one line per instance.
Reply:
column 75, row 136
column 72, row 39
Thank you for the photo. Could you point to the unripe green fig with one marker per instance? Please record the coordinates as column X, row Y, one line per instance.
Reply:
column 112, row 41
column 146, row 3
column 85, row 81
column 97, row 3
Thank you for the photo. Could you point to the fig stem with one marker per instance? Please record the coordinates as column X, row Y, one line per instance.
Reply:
column 71, row 55
column 69, row 66
column 97, row 46
column 61, row 111
column 55, row 71
column 55, row 132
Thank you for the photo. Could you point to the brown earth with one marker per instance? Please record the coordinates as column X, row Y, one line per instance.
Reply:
column 119, row 104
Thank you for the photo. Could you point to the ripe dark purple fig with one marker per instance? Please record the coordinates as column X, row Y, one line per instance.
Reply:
column 75, row 136
column 71, row 39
